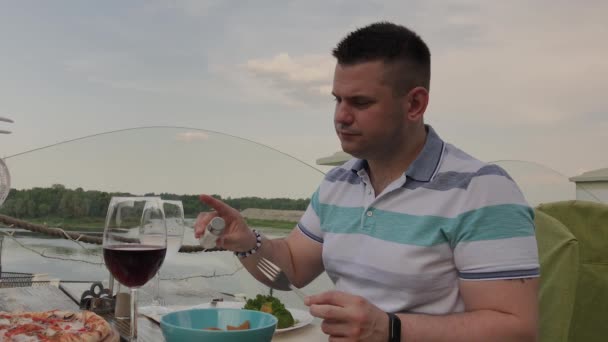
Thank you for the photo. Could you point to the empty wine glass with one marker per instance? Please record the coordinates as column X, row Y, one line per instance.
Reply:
column 130, row 257
column 174, row 217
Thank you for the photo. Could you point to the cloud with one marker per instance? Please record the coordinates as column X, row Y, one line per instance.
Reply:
column 194, row 8
column 306, row 69
column 192, row 136
column 526, row 66
column 303, row 79
column 125, row 71
column 111, row 70
column 493, row 62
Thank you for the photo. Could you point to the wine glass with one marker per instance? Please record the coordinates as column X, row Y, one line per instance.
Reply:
column 130, row 257
column 174, row 217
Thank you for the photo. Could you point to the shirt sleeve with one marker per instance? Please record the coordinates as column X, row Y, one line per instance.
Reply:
column 310, row 224
column 495, row 239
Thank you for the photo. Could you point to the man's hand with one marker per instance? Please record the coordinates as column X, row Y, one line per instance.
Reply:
column 236, row 236
column 348, row 318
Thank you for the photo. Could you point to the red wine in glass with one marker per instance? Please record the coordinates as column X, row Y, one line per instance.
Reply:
column 133, row 265
column 132, row 261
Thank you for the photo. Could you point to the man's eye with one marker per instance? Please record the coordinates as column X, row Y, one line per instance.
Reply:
column 362, row 103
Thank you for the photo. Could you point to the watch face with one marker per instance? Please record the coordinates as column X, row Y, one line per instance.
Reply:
column 5, row 181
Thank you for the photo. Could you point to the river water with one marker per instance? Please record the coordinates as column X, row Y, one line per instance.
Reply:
column 187, row 277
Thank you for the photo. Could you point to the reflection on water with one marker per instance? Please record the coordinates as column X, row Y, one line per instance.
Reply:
column 66, row 251
column 188, row 276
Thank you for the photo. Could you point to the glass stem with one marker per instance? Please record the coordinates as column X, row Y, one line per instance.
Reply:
column 157, row 288
column 133, row 332
column 111, row 285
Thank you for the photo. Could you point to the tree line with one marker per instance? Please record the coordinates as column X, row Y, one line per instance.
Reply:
column 58, row 201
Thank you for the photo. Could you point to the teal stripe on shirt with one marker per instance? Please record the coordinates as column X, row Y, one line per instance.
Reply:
column 487, row 223
column 314, row 202
column 493, row 223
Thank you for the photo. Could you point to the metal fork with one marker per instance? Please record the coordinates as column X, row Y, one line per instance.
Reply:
column 277, row 276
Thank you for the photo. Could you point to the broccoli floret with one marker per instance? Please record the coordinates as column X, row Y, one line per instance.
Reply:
column 255, row 303
column 276, row 304
column 285, row 319
column 277, row 309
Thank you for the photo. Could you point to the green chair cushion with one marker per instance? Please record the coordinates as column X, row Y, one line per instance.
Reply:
column 588, row 222
column 558, row 254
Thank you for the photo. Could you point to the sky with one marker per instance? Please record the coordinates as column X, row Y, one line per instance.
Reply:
column 511, row 80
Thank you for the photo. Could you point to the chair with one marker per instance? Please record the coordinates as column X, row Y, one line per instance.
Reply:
column 558, row 253
column 588, row 223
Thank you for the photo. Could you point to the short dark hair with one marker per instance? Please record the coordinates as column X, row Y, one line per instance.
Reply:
column 394, row 45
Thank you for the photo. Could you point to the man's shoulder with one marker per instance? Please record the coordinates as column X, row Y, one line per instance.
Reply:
column 459, row 161
column 456, row 159
column 484, row 184
column 476, row 177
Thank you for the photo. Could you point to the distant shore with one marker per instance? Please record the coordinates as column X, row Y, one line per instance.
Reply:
column 91, row 224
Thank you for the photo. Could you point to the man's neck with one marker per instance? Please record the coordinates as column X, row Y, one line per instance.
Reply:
column 383, row 171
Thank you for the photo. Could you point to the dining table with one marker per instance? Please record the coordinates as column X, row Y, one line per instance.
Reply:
column 67, row 296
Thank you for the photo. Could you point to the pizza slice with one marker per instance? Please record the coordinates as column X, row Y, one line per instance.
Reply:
column 60, row 326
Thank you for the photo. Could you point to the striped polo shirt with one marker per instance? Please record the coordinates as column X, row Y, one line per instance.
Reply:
column 448, row 217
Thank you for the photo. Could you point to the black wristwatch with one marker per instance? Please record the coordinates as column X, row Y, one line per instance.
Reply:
column 394, row 328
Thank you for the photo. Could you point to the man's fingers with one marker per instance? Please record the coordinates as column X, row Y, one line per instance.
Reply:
column 336, row 329
column 222, row 208
column 336, row 298
column 329, row 312
column 201, row 223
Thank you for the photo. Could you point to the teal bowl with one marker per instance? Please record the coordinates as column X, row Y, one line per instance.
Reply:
column 189, row 325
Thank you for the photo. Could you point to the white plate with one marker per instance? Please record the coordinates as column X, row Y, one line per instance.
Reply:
column 221, row 305
column 302, row 317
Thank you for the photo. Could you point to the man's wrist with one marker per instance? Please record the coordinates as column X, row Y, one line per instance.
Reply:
column 254, row 249
column 252, row 240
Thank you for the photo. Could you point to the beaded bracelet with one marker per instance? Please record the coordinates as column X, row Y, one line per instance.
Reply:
column 258, row 243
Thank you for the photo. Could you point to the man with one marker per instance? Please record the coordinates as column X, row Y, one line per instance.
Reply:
column 412, row 225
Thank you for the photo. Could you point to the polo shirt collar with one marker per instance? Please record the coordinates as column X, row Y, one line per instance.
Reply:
column 426, row 163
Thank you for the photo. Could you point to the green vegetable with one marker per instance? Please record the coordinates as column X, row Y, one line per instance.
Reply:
column 285, row 319
column 278, row 309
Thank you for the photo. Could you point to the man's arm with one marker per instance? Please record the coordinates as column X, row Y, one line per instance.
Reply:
column 297, row 255
column 496, row 310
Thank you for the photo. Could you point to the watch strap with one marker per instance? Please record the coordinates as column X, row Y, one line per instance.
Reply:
column 394, row 327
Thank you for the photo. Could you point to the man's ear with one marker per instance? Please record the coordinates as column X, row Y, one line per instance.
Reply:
column 417, row 101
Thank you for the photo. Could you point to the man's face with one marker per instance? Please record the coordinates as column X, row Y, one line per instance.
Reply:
column 369, row 118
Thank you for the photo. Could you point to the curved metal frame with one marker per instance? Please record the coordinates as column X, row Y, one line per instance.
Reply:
column 5, row 120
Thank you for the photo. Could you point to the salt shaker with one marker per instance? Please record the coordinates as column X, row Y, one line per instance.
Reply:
column 212, row 232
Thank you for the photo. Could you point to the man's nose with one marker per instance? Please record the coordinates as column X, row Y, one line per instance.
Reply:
column 343, row 114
